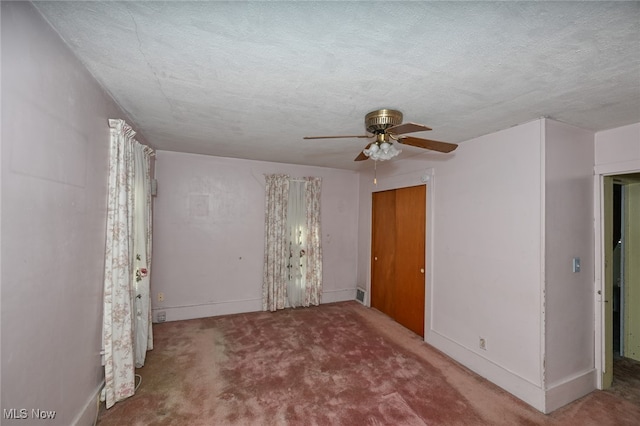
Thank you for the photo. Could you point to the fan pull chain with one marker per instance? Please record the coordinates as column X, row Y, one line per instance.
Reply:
column 375, row 178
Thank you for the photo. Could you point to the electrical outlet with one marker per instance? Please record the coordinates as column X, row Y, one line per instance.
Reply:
column 161, row 316
column 160, row 297
column 483, row 344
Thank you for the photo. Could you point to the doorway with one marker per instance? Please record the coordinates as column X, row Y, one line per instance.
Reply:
column 621, row 249
column 398, row 255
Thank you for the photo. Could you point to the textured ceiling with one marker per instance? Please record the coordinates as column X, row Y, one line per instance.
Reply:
column 250, row 79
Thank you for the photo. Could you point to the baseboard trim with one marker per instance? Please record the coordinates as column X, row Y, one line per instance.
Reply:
column 507, row 380
column 341, row 295
column 87, row 416
column 569, row 390
column 213, row 309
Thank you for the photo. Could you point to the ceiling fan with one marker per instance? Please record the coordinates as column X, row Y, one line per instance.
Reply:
column 386, row 126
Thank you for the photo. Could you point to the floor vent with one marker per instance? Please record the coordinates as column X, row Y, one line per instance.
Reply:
column 360, row 293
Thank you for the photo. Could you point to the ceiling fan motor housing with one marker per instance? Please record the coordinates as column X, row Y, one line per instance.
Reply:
column 378, row 121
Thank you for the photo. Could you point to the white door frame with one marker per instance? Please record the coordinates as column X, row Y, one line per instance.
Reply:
column 599, row 282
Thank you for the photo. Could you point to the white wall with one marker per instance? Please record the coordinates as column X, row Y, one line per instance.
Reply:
column 55, row 142
column 485, row 243
column 569, row 311
column 618, row 150
column 209, row 233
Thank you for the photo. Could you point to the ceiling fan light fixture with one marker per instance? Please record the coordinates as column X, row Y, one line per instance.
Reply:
column 384, row 151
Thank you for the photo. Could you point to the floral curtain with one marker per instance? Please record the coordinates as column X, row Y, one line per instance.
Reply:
column 143, row 338
column 297, row 244
column 121, row 260
column 313, row 291
column 275, row 245
column 293, row 252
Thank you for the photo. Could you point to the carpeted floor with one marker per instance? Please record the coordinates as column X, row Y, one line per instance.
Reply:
column 337, row 364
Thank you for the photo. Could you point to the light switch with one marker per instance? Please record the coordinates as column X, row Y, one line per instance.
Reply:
column 576, row 264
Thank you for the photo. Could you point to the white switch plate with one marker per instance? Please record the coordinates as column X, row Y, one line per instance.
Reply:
column 576, row 264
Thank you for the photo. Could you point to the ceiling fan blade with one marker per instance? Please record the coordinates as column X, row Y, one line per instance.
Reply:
column 428, row 144
column 407, row 128
column 335, row 137
column 361, row 156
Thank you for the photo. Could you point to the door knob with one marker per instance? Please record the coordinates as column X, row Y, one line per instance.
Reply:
column 375, row 258
column 422, row 270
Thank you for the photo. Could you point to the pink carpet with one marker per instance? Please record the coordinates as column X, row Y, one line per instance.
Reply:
column 337, row 364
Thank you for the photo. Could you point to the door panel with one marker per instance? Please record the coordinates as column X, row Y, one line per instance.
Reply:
column 410, row 257
column 398, row 255
column 632, row 272
column 383, row 251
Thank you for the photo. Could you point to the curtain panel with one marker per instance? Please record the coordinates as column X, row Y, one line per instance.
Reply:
column 143, row 337
column 119, row 257
column 275, row 243
column 313, row 282
column 297, row 246
column 127, row 261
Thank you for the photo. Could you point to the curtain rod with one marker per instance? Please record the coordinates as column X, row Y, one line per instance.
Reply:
column 306, row 179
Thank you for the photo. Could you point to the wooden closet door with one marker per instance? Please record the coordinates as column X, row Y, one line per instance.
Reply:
column 397, row 255
column 410, row 258
column 383, row 251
